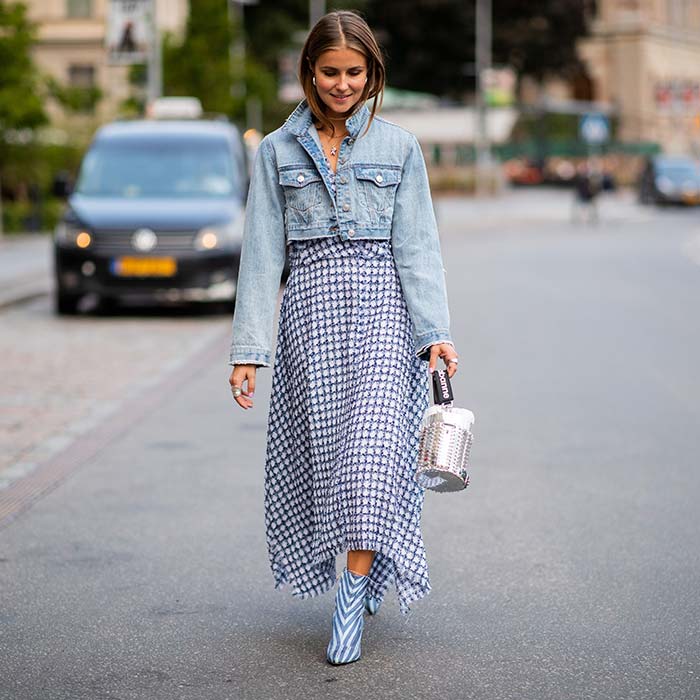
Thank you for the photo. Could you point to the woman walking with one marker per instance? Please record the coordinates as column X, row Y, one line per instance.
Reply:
column 345, row 195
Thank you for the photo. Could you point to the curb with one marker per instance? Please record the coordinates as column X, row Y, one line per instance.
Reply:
column 23, row 292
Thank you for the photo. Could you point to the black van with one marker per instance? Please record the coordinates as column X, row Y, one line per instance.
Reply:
column 156, row 215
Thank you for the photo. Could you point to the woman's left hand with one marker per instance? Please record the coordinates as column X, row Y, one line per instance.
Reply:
column 447, row 353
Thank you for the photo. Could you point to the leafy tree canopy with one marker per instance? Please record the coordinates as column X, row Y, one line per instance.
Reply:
column 200, row 65
column 20, row 100
column 430, row 43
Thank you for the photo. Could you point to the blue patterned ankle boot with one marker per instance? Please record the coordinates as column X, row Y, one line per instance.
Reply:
column 372, row 605
column 348, row 622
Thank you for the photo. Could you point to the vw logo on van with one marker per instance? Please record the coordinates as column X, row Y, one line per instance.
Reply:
column 144, row 239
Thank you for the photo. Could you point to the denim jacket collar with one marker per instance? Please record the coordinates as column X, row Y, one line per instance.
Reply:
column 301, row 118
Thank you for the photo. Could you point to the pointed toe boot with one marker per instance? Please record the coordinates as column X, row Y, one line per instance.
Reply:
column 346, row 634
column 372, row 605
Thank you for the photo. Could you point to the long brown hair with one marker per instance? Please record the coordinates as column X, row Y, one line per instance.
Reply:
column 336, row 30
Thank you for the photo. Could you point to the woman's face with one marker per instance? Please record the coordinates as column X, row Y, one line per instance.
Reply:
column 340, row 75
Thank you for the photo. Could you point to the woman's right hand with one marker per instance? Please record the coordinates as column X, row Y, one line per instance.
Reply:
column 240, row 374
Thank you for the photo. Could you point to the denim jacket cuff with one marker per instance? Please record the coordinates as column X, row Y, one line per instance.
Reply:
column 425, row 340
column 249, row 355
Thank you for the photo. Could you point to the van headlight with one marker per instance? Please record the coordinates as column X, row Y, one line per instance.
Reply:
column 664, row 184
column 223, row 236
column 73, row 235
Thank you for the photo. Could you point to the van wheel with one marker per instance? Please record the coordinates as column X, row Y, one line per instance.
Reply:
column 66, row 304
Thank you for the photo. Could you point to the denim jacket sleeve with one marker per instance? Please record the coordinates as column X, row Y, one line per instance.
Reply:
column 262, row 262
column 416, row 249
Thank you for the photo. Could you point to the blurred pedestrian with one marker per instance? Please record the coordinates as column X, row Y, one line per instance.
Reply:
column 586, row 190
column 364, row 313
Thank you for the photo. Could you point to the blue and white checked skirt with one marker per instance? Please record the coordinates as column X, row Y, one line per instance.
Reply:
column 348, row 395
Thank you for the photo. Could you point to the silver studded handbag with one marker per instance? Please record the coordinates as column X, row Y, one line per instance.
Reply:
column 445, row 440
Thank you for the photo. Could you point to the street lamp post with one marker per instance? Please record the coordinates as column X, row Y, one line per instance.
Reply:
column 155, row 63
column 483, row 64
column 253, row 108
column 317, row 8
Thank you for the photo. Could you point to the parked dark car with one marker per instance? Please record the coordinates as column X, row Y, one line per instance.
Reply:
column 670, row 180
column 156, row 215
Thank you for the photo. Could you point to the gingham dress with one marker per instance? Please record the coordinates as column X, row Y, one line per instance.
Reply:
column 348, row 394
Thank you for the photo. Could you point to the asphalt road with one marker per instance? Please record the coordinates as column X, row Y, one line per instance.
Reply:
column 569, row 569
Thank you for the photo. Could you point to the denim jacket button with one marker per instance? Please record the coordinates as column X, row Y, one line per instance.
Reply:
column 351, row 232
column 346, row 207
column 379, row 178
column 343, row 180
column 300, row 178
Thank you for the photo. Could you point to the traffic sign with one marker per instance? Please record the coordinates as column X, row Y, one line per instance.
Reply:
column 594, row 128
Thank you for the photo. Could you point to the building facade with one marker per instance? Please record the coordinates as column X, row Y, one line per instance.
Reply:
column 643, row 57
column 71, row 47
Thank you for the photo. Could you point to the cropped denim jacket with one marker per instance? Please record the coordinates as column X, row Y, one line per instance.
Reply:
column 381, row 193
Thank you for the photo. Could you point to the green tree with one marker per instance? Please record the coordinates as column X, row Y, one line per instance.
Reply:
column 71, row 98
column 20, row 99
column 429, row 46
column 538, row 37
column 430, row 43
column 20, row 104
column 200, row 65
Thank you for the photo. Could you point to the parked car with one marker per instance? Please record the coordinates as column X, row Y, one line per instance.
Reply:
column 156, row 214
column 524, row 171
column 670, row 180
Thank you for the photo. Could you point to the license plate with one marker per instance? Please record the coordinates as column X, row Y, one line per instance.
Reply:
column 144, row 267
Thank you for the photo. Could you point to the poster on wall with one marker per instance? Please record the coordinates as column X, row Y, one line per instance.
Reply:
column 128, row 31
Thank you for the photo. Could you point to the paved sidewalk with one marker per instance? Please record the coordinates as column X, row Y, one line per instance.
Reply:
column 528, row 207
column 25, row 267
column 63, row 377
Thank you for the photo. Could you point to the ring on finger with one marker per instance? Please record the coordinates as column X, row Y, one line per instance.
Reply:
column 453, row 360
column 236, row 391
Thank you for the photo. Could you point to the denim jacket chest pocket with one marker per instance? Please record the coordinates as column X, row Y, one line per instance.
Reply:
column 376, row 187
column 303, row 192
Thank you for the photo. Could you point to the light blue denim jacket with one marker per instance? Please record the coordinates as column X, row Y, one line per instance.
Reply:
column 382, row 192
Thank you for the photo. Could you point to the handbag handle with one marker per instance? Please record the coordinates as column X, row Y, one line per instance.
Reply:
column 442, row 388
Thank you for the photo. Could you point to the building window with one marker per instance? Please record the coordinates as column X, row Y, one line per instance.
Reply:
column 79, row 8
column 81, row 76
column 83, row 92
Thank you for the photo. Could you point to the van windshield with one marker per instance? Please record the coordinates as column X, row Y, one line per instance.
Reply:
column 137, row 169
